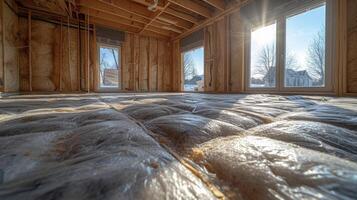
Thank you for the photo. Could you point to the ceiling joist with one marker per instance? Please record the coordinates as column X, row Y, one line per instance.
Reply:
column 163, row 18
column 219, row 4
column 182, row 15
column 194, row 7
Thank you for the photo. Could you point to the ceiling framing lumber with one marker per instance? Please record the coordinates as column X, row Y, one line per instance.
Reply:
column 226, row 12
column 172, row 19
column 105, row 7
column 175, row 21
column 160, row 6
column 181, row 15
column 114, row 18
column 131, row 7
column 129, row 29
column 154, row 18
column 194, row 7
column 219, row 4
column 110, row 16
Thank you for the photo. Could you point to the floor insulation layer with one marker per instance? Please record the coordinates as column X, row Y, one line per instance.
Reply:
column 177, row 146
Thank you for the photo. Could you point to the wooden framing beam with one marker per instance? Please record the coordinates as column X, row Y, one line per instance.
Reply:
column 219, row 4
column 160, row 6
column 114, row 18
column 181, row 15
column 194, row 7
column 175, row 21
column 158, row 30
column 131, row 7
column 118, row 19
column 79, row 57
column 115, row 25
column 107, row 8
column 125, row 18
column 30, row 48
column 88, row 53
column 61, row 57
column 2, row 87
column 69, row 53
column 154, row 18
column 213, row 19
column 167, row 27
column 148, row 32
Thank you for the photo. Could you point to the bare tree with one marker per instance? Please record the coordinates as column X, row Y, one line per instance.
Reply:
column 291, row 62
column 115, row 58
column 189, row 67
column 316, row 57
column 103, row 64
column 266, row 64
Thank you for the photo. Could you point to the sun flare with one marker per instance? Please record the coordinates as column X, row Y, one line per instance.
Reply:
column 264, row 35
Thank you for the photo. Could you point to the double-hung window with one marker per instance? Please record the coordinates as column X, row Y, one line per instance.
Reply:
column 289, row 53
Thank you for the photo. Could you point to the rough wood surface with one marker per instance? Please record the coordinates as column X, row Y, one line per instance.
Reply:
column 1, row 49
column 146, row 64
column 352, row 46
column 51, row 68
column 236, row 53
column 223, row 56
column 216, row 56
column 11, row 41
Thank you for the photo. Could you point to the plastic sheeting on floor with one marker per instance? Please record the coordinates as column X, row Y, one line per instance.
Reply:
column 177, row 146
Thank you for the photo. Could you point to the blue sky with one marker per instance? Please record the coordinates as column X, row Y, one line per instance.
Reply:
column 108, row 55
column 198, row 59
column 300, row 30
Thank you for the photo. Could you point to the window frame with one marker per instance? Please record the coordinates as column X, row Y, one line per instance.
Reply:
column 109, row 89
column 281, row 49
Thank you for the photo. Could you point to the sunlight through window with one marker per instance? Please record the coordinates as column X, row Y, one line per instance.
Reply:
column 305, row 49
column 193, row 70
column 263, row 57
column 109, row 67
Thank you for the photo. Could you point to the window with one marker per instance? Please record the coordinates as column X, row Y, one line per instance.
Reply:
column 305, row 49
column 193, row 70
column 289, row 54
column 109, row 67
column 263, row 57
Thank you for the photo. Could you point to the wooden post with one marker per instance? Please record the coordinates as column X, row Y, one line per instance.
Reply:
column 69, row 54
column 157, row 67
column 78, row 56
column 120, row 67
column 228, row 55
column 61, row 57
column 30, row 49
column 88, row 53
column 148, row 65
column 2, row 46
column 94, row 58
column 2, row 87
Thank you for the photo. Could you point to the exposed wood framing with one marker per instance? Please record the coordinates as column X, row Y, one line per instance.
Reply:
column 154, row 18
column 194, row 7
column 208, row 21
column 2, row 46
column 30, row 48
column 216, row 3
column 69, row 53
column 61, row 56
column 181, row 15
column 79, row 56
column 151, row 57
column 88, row 53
